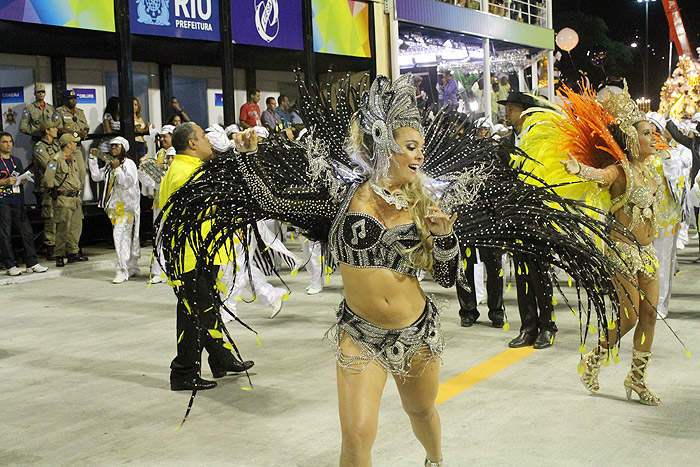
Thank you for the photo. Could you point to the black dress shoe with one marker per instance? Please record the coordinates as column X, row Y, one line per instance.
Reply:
column 77, row 258
column 697, row 260
column 59, row 262
column 189, row 385
column 235, row 367
column 467, row 321
column 523, row 340
column 50, row 254
column 544, row 339
column 497, row 318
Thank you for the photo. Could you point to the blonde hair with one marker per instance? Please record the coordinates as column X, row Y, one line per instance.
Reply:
column 139, row 110
column 359, row 146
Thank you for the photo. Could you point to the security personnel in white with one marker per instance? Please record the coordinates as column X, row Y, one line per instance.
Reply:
column 121, row 199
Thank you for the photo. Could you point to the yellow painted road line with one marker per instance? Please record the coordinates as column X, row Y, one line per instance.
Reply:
column 469, row 378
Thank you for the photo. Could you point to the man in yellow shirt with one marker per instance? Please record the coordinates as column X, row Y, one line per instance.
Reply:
column 193, row 149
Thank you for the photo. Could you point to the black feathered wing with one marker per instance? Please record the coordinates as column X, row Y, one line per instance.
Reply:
column 500, row 206
column 299, row 182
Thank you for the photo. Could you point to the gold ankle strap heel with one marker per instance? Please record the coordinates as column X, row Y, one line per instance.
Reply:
column 591, row 368
column 636, row 379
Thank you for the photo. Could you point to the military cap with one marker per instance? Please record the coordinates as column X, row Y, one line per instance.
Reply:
column 46, row 124
column 69, row 94
column 39, row 87
column 68, row 138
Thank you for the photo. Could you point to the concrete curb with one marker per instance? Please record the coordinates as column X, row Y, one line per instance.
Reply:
column 99, row 260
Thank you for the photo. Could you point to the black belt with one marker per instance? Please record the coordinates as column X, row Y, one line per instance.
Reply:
column 70, row 194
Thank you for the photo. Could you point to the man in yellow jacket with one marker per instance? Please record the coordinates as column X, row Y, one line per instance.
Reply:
column 193, row 149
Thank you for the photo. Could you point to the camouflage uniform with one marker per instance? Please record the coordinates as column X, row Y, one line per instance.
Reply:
column 64, row 178
column 44, row 153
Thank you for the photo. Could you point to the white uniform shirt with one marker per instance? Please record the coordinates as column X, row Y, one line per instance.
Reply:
column 124, row 194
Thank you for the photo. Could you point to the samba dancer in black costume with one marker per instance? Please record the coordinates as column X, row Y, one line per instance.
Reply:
column 385, row 198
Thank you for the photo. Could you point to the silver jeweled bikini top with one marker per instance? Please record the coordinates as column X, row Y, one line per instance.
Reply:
column 359, row 239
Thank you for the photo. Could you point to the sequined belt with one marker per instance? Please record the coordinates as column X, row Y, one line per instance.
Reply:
column 631, row 258
column 403, row 352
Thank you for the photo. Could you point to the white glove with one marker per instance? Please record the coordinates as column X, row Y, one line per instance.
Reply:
column 261, row 131
column 233, row 128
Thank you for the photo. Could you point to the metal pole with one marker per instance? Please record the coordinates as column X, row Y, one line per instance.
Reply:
column 58, row 79
column 486, row 43
column 251, row 81
column 550, row 54
column 227, row 84
column 646, row 48
column 308, row 30
column 372, row 42
column 165, row 78
column 125, row 72
column 394, row 41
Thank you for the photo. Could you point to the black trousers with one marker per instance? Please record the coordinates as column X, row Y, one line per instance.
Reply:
column 494, row 286
column 16, row 215
column 534, row 283
column 194, row 293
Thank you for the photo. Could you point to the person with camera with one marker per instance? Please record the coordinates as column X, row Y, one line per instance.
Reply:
column 179, row 112
column 63, row 181
column 121, row 200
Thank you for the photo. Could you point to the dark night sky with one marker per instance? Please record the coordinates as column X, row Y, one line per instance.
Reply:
column 625, row 20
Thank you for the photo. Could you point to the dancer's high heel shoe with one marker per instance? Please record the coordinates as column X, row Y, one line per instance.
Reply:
column 591, row 368
column 636, row 379
column 429, row 463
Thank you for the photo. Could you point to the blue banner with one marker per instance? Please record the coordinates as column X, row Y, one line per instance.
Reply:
column 218, row 99
column 267, row 23
column 185, row 19
column 85, row 95
column 13, row 95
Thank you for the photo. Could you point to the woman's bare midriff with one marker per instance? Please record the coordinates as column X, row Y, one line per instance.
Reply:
column 644, row 233
column 383, row 297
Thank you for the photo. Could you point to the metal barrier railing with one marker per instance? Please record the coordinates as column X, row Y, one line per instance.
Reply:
column 526, row 11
